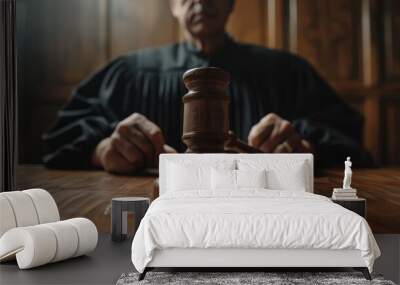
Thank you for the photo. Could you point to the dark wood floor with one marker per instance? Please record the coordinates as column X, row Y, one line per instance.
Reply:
column 88, row 193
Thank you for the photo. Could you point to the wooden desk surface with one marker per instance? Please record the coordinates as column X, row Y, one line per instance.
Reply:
column 88, row 193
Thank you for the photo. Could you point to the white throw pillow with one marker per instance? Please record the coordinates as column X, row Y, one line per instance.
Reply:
column 225, row 179
column 294, row 179
column 183, row 178
column 184, row 175
column 251, row 178
column 281, row 174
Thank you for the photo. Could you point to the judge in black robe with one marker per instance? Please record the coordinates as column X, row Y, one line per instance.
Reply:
column 149, row 82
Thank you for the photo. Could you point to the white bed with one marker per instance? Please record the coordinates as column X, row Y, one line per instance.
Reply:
column 198, row 223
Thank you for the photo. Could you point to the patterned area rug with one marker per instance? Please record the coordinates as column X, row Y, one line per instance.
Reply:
column 243, row 278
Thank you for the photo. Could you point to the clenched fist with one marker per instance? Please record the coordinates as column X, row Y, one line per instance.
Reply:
column 274, row 134
column 135, row 143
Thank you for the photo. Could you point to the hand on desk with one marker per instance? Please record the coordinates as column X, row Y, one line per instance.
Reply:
column 275, row 134
column 135, row 143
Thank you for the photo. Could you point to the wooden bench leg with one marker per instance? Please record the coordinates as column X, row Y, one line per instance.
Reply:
column 364, row 271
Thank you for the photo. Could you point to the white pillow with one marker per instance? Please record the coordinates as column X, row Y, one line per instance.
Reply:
column 183, row 178
column 184, row 175
column 288, row 175
column 225, row 179
column 251, row 178
column 293, row 179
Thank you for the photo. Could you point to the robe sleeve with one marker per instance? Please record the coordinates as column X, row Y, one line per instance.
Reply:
column 88, row 117
column 324, row 119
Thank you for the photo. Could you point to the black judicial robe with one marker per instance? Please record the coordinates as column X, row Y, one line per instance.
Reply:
column 150, row 82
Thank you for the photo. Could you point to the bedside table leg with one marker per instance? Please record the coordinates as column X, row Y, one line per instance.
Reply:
column 116, row 221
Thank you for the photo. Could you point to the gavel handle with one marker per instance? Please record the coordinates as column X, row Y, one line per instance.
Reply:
column 237, row 145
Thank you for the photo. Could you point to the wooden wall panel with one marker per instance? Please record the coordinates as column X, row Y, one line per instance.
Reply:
column 370, row 36
column 391, row 143
column 61, row 42
column 39, row 120
column 62, row 47
column 277, row 24
column 328, row 35
column 391, row 86
column 372, row 125
column 391, row 18
column 248, row 21
column 136, row 24
column 61, row 34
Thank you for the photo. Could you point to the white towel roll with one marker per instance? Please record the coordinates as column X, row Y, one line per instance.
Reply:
column 45, row 205
column 7, row 218
column 87, row 234
column 23, row 208
column 67, row 239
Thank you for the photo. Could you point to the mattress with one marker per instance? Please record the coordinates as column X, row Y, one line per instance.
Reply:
column 250, row 219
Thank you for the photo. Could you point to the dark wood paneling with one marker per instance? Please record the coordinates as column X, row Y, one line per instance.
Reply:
column 136, row 24
column 44, row 115
column 64, row 39
column 277, row 25
column 248, row 21
column 391, row 121
column 328, row 35
column 372, row 125
column 61, row 43
column 392, row 40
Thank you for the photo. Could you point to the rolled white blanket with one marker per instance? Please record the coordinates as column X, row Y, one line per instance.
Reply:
column 32, row 246
column 45, row 206
column 31, row 231
column 7, row 219
column 26, row 208
column 67, row 239
column 87, row 235
column 40, row 244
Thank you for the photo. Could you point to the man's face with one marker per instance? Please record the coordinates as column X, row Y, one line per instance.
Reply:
column 202, row 18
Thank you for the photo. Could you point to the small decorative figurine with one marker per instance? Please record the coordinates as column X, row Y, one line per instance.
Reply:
column 348, row 173
column 347, row 192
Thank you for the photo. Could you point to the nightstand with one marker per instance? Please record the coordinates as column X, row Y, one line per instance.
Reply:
column 119, row 214
column 358, row 205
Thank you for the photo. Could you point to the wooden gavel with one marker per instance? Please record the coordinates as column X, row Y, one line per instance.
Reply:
column 206, row 113
column 233, row 144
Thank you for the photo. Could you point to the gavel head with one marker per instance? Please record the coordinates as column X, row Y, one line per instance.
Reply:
column 205, row 110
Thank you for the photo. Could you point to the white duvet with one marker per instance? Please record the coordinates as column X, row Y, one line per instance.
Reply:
column 250, row 219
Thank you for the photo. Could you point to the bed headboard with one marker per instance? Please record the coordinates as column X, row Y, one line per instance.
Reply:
column 208, row 159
